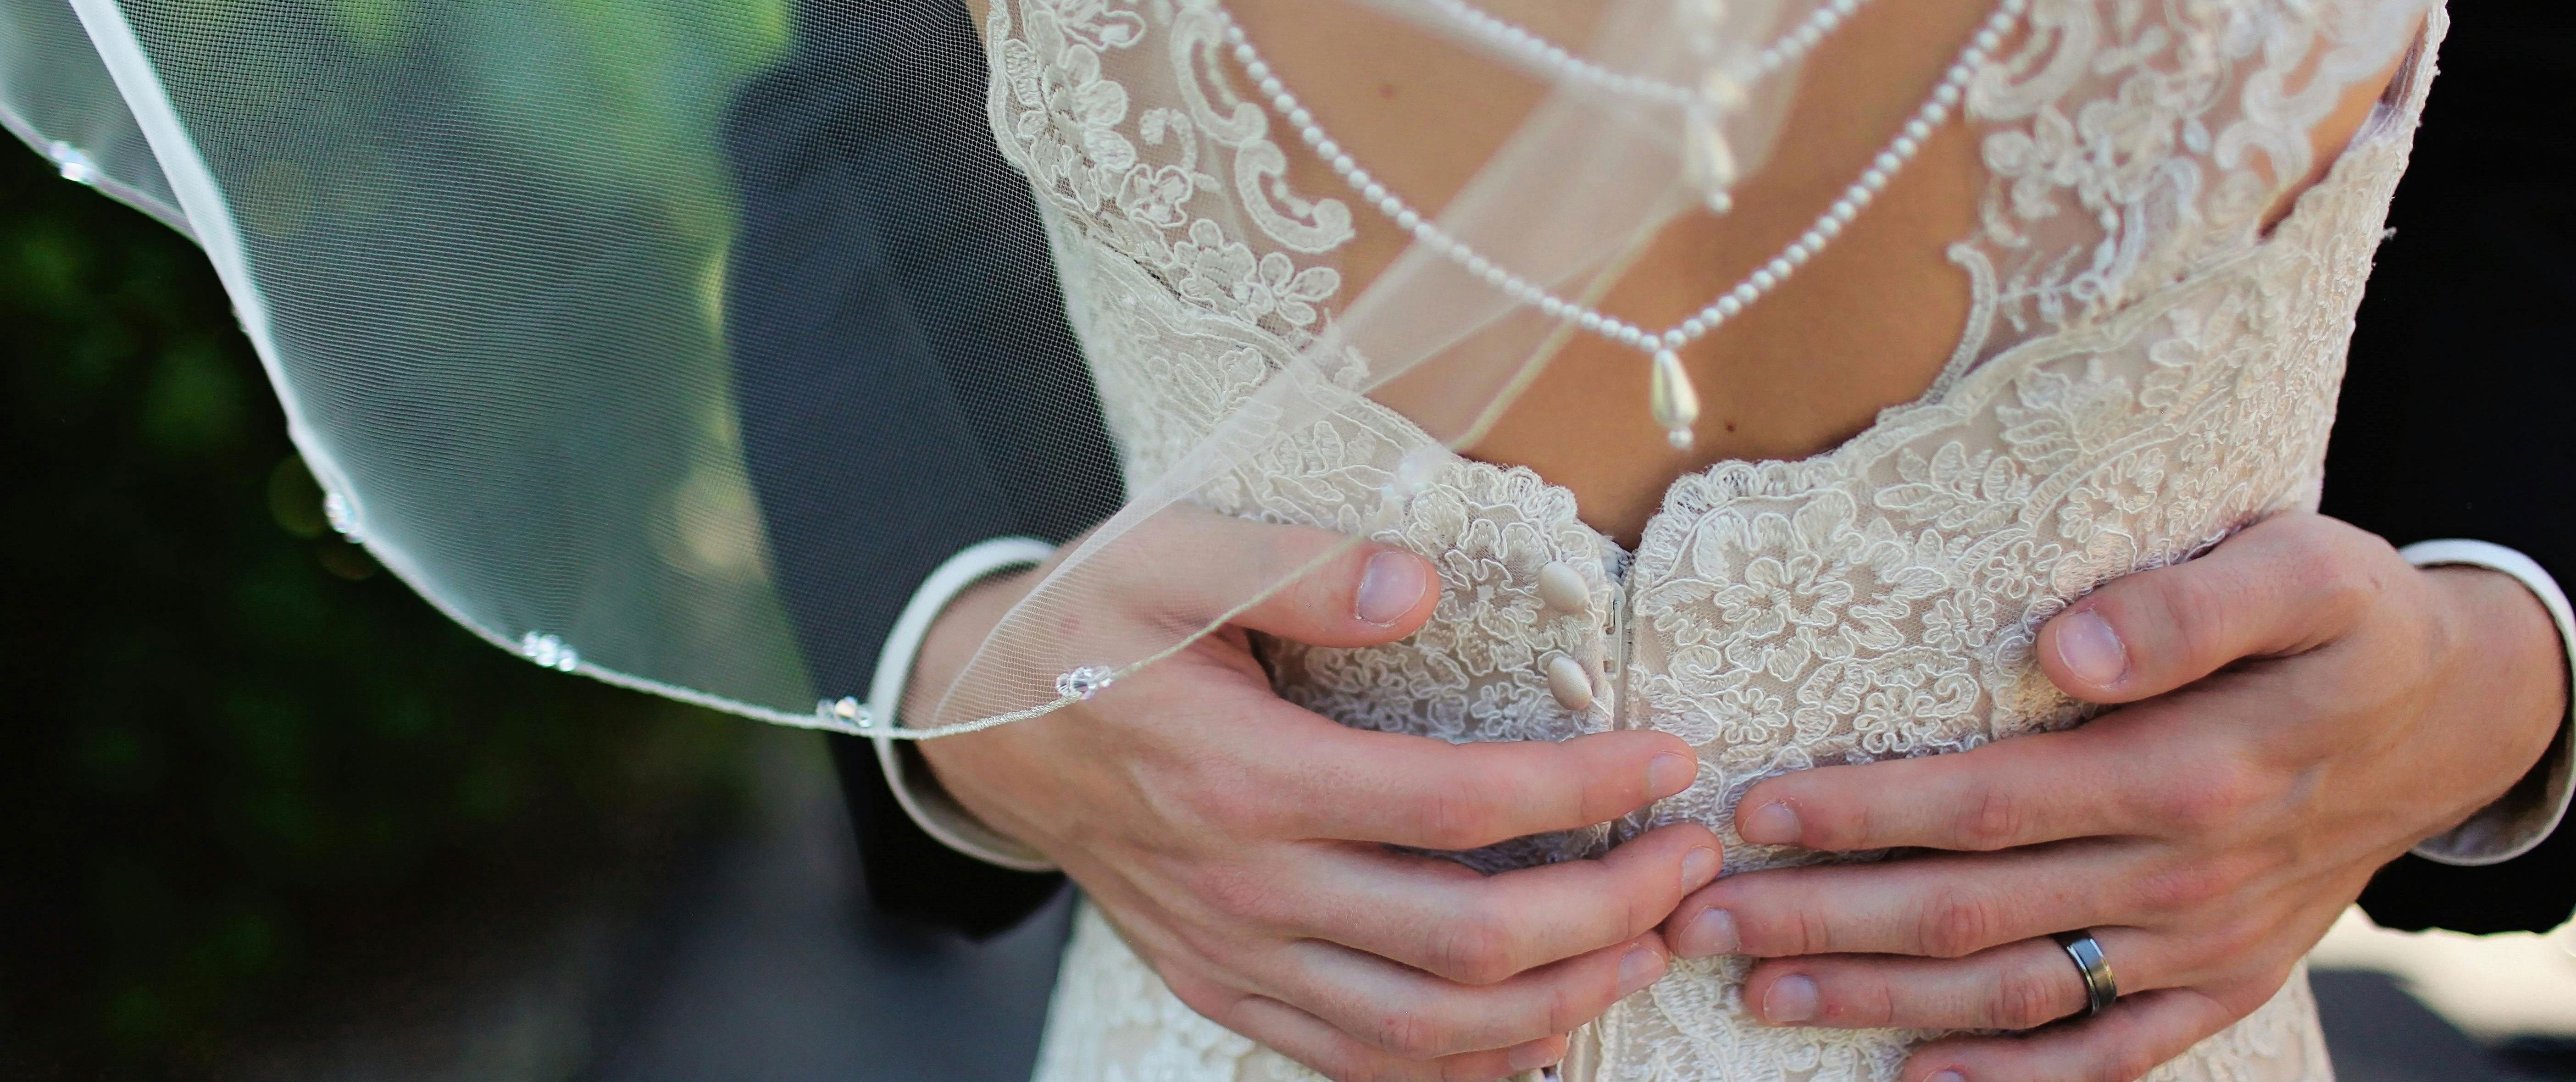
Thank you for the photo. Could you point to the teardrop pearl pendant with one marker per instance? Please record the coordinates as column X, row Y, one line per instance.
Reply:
column 1674, row 400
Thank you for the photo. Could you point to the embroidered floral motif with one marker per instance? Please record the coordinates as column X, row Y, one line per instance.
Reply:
column 1147, row 186
column 2148, row 373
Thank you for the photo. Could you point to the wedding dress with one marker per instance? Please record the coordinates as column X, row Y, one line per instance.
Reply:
column 536, row 285
column 2145, row 370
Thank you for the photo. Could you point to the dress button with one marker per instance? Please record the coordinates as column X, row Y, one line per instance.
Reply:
column 1563, row 589
column 1572, row 685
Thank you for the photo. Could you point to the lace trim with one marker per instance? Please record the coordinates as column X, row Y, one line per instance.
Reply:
column 1874, row 601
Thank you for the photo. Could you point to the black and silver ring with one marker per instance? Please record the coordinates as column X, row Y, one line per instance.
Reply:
column 2101, row 989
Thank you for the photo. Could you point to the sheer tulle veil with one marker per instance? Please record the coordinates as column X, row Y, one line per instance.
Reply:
column 494, row 256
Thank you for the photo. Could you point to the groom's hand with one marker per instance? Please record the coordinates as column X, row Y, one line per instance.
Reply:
column 1241, row 844
column 2301, row 707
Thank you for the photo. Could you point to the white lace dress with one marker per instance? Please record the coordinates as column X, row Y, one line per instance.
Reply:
column 2145, row 371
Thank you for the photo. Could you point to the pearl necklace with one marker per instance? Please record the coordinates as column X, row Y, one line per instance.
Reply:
column 1572, row 68
column 1708, row 159
column 1673, row 401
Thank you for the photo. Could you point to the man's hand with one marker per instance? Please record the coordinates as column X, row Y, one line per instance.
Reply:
column 1240, row 843
column 2303, row 707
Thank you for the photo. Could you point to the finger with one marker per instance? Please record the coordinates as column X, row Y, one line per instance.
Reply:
column 1938, row 907
column 2120, row 1045
column 1414, row 1015
column 2155, row 769
column 1187, row 566
column 2283, row 585
column 1312, row 1041
column 1359, row 785
column 2015, row 986
column 1440, row 917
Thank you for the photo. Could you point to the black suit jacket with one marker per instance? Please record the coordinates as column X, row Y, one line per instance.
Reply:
column 875, row 287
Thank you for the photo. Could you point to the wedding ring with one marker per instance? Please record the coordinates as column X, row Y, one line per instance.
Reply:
column 2101, row 989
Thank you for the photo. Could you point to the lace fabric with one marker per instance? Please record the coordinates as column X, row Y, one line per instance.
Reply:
column 2146, row 371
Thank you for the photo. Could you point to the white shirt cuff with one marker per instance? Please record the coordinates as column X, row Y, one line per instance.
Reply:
column 931, row 808
column 2523, row 819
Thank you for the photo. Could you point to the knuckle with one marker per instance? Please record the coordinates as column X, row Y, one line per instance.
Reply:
column 1775, row 917
column 1959, row 922
column 2333, row 573
column 2240, row 942
column 1807, row 931
column 1473, row 947
column 1221, row 796
column 1410, row 1033
column 1233, row 815
column 2182, row 887
column 1564, row 1014
column 2201, row 607
column 1240, row 892
column 1856, row 999
column 2024, row 1000
column 1452, row 817
column 1996, row 819
column 2211, row 801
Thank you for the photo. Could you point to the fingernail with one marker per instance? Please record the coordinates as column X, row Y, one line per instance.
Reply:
column 1791, row 999
column 1698, row 867
column 2091, row 650
column 1708, row 935
column 1669, row 773
column 1774, row 823
column 1639, row 968
column 1390, row 587
column 1946, row 1076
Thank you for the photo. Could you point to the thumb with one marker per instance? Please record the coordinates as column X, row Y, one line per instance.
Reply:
column 2282, row 586
column 1325, row 589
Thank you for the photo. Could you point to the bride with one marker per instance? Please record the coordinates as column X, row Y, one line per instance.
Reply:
column 1666, row 397
column 1800, row 362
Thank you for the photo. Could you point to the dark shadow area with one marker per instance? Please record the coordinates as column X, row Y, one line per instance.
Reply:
column 776, row 968
column 2378, row 1033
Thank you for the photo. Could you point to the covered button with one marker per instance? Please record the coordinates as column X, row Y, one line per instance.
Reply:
column 1563, row 588
column 1572, row 685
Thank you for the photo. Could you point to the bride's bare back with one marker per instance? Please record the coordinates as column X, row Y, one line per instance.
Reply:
column 1869, row 323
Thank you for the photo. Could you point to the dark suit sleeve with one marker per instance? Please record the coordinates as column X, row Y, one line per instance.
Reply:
column 2455, row 413
column 904, row 377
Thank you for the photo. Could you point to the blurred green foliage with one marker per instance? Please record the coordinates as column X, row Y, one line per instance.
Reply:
column 237, row 752
column 488, row 240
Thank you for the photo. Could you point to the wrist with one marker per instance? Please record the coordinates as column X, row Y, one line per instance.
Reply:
column 951, row 640
column 932, row 643
column 2509, row 654
column 2505, row 646
column 958, row 766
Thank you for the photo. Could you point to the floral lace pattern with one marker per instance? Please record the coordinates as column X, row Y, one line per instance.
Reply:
column 1172, row 186
column 2170, row 377
column 2127, row 143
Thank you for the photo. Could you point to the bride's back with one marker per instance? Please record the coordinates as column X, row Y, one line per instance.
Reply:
column 1879, row 313
column 2022, row 290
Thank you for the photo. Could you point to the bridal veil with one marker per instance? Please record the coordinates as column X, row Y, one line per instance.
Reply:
column 509, row 263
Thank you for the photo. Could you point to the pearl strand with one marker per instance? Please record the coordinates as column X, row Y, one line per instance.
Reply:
column 1575, row 68
column 1675, row 402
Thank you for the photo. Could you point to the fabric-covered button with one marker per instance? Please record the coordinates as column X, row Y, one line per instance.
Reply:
column 1563, row 589
column 1572, row 685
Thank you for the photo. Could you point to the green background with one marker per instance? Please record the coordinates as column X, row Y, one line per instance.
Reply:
column 251, row 775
